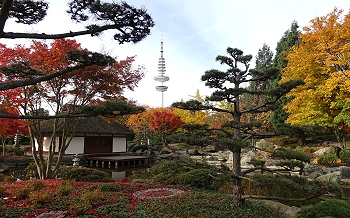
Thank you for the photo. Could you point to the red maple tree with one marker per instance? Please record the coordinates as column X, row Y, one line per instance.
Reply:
column 164, row 123
column 64, row 94
column 10, row 127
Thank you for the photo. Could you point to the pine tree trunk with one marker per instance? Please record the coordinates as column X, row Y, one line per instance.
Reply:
column 237, row 189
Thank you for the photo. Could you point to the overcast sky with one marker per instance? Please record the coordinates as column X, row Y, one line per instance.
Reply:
column 194, row 33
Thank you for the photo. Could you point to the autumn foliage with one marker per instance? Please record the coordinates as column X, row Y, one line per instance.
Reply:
column 322, row 62
column 66, row 94
column 165, row 122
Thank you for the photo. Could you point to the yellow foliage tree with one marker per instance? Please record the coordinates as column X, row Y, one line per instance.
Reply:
column 192, row 117
column 141, row 123
column 322, row 61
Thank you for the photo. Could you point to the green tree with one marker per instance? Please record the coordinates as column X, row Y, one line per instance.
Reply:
column 263, row 62
column 290, row 38
column 228, row 86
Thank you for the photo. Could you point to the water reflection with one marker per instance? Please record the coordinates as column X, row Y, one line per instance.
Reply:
column 122, row 172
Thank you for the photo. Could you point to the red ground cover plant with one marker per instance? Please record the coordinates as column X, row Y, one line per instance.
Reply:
column 82, row 199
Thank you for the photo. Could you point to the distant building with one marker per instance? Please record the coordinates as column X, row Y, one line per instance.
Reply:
column 93, row 135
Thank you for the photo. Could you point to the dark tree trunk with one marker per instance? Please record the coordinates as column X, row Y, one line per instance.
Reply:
column 301, row 139
column 237, row 189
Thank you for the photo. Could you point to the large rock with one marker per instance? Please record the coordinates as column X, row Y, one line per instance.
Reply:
column 286, row 210
column 209, row 148
column 4, row 168
column 322, row 151
column 165, row 150
column 330, row 177
column 263, row 144
column 193, row 152
column 310, row 168
column 345, row 172
column 247, row 157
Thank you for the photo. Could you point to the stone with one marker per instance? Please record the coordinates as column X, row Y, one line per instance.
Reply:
column 165, row 150
column 286, row 210
column 330, row 177
column 316, row 174
column 311, row 167
column 209, row 148
column 193, row 152
column 164, row 156
column 263, row 144
column 212, row 158
column 322, row 151
column 4, row 168
column 290, row 213
column 182, row 153
column 345, row 172
column 138, row 152
column 247, row 157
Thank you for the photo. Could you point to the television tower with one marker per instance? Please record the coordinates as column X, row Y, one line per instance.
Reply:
column 161, row 70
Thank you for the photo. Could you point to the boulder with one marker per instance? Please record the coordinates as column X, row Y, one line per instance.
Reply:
column 345, row 172
column 193, row 152
column 322, row 151
column 182, row 153
column 247, row 157
column 286, row 210
column 315, row 174
column 209, row 148
column 311, row 168
column 263, row 144
column 330, row 177
column 4, row 168
column 165, row 150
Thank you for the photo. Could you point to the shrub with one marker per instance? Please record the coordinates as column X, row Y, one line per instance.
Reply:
column 344, row 156
column 109, row 187
column 202, row 178
column 114, row 210
column 38, row 185
column 84, row 174
column 80, row 207
column 64, row 189
column 329, row 158
column 287, row 186
column 328, row 208
column 90, row 196
column 30, row 172
column 290, row 154
column 178, row 172
column 140, row 147
column 3, row 189
column 41, row 197
column 23, row 191
column 9, row 179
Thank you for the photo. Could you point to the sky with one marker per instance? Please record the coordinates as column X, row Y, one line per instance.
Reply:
column 194, row 33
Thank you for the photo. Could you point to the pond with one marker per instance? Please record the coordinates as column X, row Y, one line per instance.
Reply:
column 116, row 174
column 122, row 172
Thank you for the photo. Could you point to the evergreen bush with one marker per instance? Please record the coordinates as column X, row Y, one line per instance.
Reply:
column 344, row 156
column 329, row 158
column 328, row 208
column 140, row 147
column 84, row 174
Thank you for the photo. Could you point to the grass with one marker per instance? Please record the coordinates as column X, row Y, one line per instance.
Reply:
column 117, row 199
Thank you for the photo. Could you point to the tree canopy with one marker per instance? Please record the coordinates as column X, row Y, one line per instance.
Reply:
column 129, row 23
column 91, row 91
column 322, row 62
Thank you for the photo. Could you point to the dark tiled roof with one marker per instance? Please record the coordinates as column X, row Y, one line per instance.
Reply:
column 91, row 125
